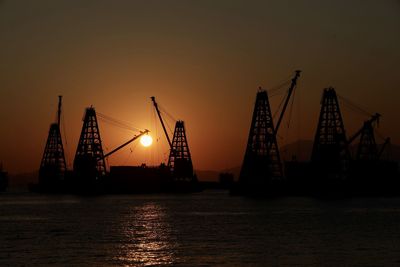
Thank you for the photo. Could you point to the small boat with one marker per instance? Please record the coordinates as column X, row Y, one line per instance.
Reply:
column 3, row 179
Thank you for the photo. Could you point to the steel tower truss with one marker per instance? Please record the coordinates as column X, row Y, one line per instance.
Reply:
column 180, row 161
column 53, row 164
column 261, row 161
column 330, row 149
column 89, row 157
column 52, row 167
column 367, row 149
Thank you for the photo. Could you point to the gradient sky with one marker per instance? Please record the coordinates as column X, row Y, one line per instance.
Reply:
column 203, row 60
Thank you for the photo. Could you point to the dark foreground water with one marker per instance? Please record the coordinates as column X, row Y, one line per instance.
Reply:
column 205, row 229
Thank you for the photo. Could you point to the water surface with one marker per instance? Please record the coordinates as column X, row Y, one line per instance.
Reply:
column 204, row 229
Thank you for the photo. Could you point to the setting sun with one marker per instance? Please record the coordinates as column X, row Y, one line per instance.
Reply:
column 146, row 140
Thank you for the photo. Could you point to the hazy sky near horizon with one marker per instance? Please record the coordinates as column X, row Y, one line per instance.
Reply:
column 203, row 60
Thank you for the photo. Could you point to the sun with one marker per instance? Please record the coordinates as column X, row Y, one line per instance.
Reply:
column 146, row 140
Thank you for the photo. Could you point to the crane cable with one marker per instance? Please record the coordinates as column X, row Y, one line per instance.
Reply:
column 130, row 154
column 289, row 118
column 274, row 90
column 158, row 133
column 351, row 105
column 279, row 109
column 278, row 92
column 154, row 122
column 163, row 111
column 291, row 109
column 66, row 148
column 361, row 110
column 116, row 122
column 380, row 135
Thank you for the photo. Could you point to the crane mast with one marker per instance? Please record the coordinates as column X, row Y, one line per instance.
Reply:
column 59, row 110
column 161, row 120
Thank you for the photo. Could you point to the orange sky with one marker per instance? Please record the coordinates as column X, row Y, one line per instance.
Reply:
column 203, row 60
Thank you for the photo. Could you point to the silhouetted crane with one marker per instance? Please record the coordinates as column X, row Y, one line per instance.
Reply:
column 262, row 162
column 367, row 149
column 287, row 99
column 179, row 160
column 330, row 154
column 89, row 162
column 53, row 166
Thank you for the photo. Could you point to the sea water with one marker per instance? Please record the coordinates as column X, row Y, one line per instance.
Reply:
column 203, row 229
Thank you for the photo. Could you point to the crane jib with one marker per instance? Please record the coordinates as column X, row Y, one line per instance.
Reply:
column 292, row 86
column 161, row 120
column 124, row 144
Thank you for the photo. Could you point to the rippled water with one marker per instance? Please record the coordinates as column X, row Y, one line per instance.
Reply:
column 205, row 229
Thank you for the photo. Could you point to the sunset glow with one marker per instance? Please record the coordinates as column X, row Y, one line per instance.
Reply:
column 195, row 57
column 146, row 140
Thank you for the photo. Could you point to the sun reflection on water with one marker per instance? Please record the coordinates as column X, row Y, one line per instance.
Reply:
column 148, row 238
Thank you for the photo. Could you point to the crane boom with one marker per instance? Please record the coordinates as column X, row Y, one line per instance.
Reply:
column 59, row 110
column 374, row 118
column 292, row 86
column 161, row 120
column 125, row 144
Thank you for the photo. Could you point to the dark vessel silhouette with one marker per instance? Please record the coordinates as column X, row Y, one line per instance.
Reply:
column 90, row 176
column 333, row 171
column 3, row 179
